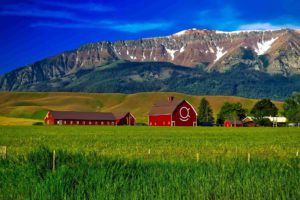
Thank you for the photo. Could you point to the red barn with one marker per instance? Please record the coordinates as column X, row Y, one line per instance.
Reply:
column 233, row 123
column 172, row 112
column 88, row 118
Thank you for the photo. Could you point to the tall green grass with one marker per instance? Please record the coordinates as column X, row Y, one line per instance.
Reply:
column 165, row 143
column 96, row 162
column 88, row 176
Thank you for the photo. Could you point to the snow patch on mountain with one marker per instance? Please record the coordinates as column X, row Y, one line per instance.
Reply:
column 264, row 46
column 241, row 31
column 211, row 50
column 171, row 52
column 184, row 32
column 181, row 49
column 219, row 54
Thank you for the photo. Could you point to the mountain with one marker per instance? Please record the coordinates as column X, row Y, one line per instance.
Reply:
column 193, row 61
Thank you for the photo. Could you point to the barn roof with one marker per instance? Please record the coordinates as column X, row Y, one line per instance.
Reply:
column 164, row 107
column 119, row 115
column 87, row 115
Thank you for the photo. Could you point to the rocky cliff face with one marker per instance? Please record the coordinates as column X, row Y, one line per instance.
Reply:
column 273, row 52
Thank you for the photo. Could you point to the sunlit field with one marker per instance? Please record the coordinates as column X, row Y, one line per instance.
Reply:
column 149, row 163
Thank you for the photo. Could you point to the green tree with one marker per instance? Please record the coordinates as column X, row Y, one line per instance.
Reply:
column 231, row 111
column 263, row 108
column 291, row 108
column 205, row 112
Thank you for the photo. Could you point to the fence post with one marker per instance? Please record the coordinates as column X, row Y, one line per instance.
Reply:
column 149, row 151
column 248, row 157
column 53, row 161
column 197, row 157
column 3, row 151
column 297, row 153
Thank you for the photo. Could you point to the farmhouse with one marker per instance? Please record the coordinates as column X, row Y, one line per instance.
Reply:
column 277, row 121
column 88, row 118
column 233, row 123
column 248, row 122
column 172, row 112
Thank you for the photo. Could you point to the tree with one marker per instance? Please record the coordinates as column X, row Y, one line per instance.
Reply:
column 263, row 108
column 231, row 111
column 291, row 108
column 205, row 112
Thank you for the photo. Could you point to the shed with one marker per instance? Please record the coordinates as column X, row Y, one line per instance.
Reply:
column 233, row 123
column 248, row 122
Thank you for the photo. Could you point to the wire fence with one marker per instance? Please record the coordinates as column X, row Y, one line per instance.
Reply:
column 148, row 154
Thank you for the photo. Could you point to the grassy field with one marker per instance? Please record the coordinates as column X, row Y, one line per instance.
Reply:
column 11, row 121
column 176, row 143
column 149, row 163
column 35, row 105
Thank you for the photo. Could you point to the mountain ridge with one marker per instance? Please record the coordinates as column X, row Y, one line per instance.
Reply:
column 274, row 52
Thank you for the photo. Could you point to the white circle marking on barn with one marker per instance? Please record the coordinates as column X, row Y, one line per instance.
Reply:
column 185, row 117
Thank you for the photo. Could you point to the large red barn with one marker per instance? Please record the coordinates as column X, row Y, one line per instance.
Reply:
column 172, row 112
column 88, row 118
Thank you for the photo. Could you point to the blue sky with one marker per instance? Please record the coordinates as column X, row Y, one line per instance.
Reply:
column 33, row 30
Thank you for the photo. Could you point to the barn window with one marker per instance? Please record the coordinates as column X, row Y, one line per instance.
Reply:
column 57, row 122
column 83, row 122
column 112, row 123
column 71, row 122
column 90, row 122
column 77, row 122
column 65, row 122
column 96, row 122
column 101, row 123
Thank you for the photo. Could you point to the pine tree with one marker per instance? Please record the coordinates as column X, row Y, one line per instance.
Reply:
column 264, row 108
column 205, row 112
column 291, row 108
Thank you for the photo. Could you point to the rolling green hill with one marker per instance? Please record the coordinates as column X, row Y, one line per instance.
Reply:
column 34, row 105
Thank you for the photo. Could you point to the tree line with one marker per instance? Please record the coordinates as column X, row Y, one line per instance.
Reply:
column 261, row 109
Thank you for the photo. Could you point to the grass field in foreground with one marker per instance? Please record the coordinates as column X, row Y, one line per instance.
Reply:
column 114, row 163
column 167, row 143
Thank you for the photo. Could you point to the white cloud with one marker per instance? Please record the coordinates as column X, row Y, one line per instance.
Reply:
column 31, row 11
column 113, row 25
column 138, row 27
column 266, row 26
column 74, row 20
column 79, row 6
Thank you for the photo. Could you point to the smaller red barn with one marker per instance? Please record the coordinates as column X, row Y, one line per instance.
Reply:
column 88, row 118
column 172, row 112
column 233, row 123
